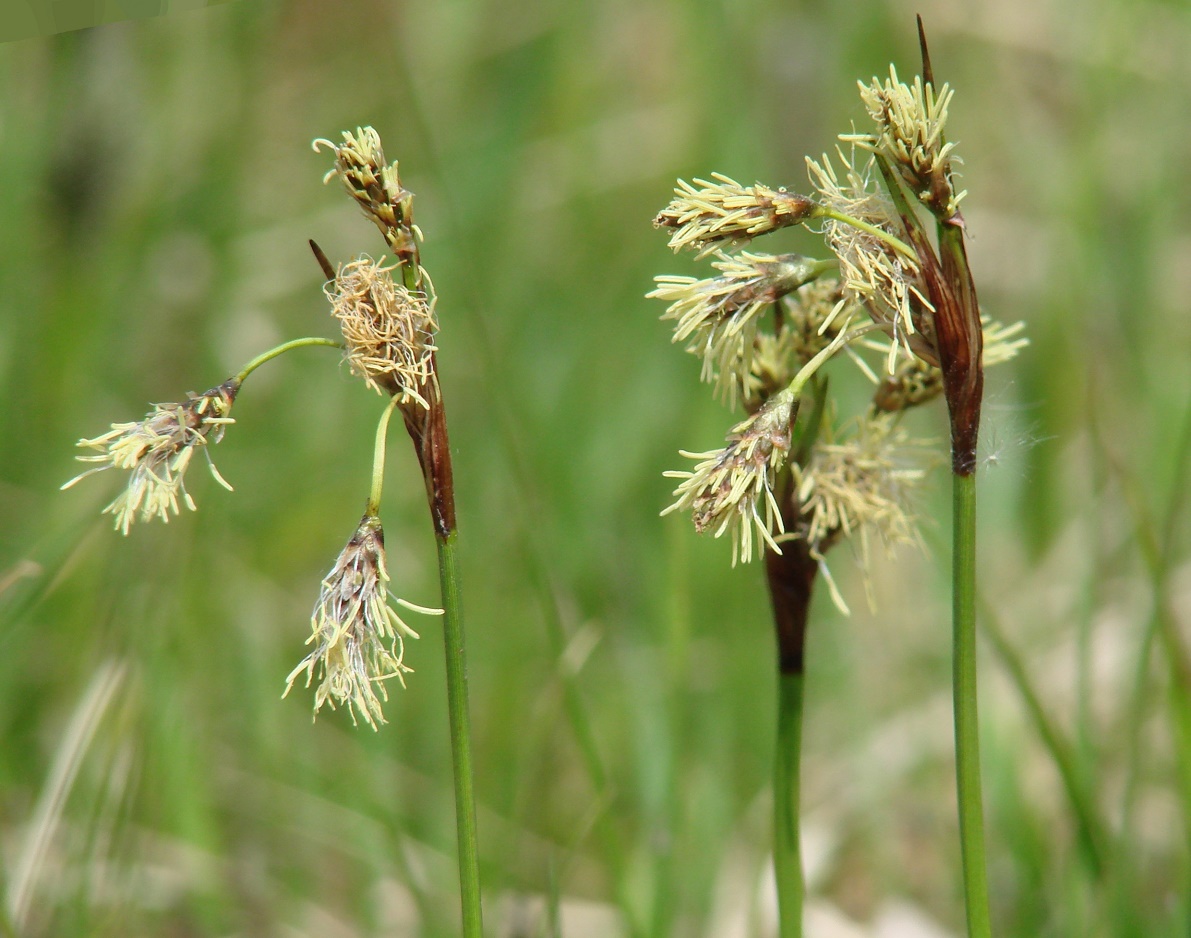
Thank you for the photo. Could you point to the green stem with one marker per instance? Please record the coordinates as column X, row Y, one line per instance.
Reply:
column 281, row 350
column 790, row 576
column 807, row 371
column 894, row 242
column 787, row 854
column 457, row 712
column 378, row 459
column 967, row 731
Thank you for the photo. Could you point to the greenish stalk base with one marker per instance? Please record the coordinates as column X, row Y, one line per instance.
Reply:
column 967, row 731
column 460, row 722
column 787, row 851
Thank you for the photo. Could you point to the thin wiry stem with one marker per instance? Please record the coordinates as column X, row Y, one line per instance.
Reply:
column 787, row 851
column 378, row 459
column 967, row 730
column 894, row 242
column 460, row 722
column 281, row 350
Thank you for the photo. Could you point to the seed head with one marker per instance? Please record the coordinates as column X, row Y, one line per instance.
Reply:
column 389, row 330
column 910, row 123
column 707, row 212
column 863, row 480
column 731, row 489
column 717, row 317
column 376, row 186
column 157, row 451
column 913, row 382
column 358, row 637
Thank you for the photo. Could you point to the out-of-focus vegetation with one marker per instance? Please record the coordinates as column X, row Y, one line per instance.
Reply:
column 156, row 192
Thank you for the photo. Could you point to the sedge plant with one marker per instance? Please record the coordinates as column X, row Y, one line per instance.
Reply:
column 794, row 478
column 386, row 316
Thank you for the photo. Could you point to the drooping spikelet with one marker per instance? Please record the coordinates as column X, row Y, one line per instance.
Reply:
column 358, row 637
column 157, row 451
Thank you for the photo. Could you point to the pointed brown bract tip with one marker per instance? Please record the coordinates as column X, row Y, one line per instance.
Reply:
column 323, row 262
column 927, row 72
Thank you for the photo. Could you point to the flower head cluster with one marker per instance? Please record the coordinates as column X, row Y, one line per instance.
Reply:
column 376, row 186
column 388, row 329
column 910, row 122
column 767, row 324
column 717, row 317
column 731, row 489
column 913, row 382
column 358, row 637
column 707, row 212
column 157, row 451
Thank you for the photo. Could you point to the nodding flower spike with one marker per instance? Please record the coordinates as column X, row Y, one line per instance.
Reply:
column 731, row 489
column 717, row 317
column 157, row 451
column 358, row 637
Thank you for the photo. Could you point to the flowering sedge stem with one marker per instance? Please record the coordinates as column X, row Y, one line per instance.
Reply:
column 790, row 577
column 896, row 243
column 457, row 712
column 845, row 336
column 281, row 350
column 378, row 459
column 787, row 853
column 967, row 731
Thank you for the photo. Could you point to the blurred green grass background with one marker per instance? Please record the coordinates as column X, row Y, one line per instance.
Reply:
column 157, row 189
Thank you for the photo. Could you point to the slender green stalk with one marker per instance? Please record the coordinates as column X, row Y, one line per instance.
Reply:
column 378, row 459
column 460, row 724
column 790, row 576
column 281, row 350
column 967, row 732
column 787, row 852
column 808, row 371
column 879, row 233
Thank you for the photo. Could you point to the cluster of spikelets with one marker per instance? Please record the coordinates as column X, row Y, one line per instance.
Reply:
column 388, row 328
column 766, row 324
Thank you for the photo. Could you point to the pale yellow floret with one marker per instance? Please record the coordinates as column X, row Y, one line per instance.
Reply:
column 731, row 489
column 157, row 452
column 358, row 637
